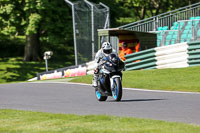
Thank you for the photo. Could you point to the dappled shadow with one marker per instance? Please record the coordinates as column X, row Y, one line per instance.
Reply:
column 138, row 100
column 4, row 59
column 22, row 71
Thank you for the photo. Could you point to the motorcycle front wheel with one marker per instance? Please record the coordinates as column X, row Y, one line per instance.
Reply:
column 99, row 95
column 117, row 90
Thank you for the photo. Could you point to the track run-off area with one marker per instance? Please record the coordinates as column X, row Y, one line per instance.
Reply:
column 72, row 98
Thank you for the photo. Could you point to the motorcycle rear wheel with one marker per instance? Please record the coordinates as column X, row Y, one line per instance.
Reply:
column 117, row 91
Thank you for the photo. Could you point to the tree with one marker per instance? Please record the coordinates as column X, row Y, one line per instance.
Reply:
column 48, row 20
column 10, row 18
column 32, row 28
column 38, row 20
column 141, row 9
column 17, row 17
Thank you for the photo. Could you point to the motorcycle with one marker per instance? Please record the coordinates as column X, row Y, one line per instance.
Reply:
column 109, row 82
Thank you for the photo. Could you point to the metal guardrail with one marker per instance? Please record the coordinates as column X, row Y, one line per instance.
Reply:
column 172, row 56
column 194, row 53
column 165, row 19
column 141, row 60
column 143, row 64
column 60, row 73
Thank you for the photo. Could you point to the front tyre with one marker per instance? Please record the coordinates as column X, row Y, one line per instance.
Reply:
column 117, row 90
column 99, row 95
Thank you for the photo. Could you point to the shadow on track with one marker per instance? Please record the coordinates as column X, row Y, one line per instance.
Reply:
column 137, row 100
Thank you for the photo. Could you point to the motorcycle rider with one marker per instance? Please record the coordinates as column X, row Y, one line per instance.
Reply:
column 106, row 50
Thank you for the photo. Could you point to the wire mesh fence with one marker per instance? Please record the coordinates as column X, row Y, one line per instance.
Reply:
column 83, row 32
column 87, row 18
column 100, row 18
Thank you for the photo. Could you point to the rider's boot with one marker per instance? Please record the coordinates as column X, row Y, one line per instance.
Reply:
column 94, row 81
column 95, row 77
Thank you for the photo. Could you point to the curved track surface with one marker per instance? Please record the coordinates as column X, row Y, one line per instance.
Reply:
column 80, row 99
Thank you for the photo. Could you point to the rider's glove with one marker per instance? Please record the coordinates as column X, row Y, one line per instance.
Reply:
column 96, row 71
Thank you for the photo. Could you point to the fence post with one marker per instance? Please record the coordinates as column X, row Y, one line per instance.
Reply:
column 193, row 36
column 74, row 30
column 92, row 20
column 178, row 38
column 107, row 23
column 154, row 24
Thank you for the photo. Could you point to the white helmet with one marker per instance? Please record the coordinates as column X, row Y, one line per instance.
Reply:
column 107, row 48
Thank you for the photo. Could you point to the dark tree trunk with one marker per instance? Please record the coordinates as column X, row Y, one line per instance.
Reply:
column 32, row 48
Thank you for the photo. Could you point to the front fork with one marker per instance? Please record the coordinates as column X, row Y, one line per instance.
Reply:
column 112, row 85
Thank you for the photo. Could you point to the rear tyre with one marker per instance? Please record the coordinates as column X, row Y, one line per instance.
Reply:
column 99, row 95
column 117, row 91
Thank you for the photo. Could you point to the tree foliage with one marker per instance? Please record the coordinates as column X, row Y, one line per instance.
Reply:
column 141, row 9
column 48, row 23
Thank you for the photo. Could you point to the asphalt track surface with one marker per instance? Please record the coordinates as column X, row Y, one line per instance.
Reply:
column 80, row 99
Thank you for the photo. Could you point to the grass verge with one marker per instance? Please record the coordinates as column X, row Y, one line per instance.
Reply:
column 15, row 70
column 179, row 79
column 37, row 122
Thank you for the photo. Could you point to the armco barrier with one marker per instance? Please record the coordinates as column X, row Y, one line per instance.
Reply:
column 63, row 72
column 90, row 67
column 142, row 64
column 72, row 71
column 172, row 61
column 141, row 60
column 172, row 56
column 140, row 55
column 194, row 53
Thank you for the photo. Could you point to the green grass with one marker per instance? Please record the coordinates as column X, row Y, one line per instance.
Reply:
column 13, row 121
column 180, row 79
column 15, row 70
